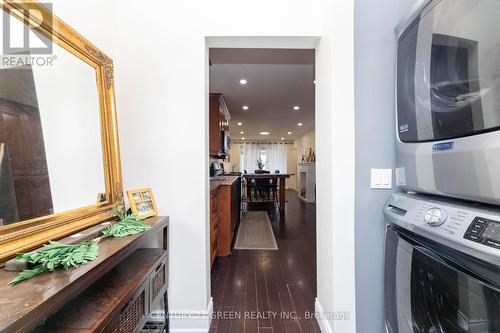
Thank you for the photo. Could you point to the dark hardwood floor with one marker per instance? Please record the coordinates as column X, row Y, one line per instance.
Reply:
column 270, row 291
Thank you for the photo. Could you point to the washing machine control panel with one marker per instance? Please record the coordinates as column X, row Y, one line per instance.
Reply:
column 439, row 218
column 435, row 216
column 470, row 228
column 455, row 223
column 485, row 231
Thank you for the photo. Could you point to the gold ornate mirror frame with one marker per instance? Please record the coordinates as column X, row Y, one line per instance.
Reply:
column 26, row 235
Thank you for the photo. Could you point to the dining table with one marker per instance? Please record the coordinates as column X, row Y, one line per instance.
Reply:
column 280, row 177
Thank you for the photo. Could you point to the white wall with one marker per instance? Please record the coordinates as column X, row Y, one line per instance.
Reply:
column 161, row 71
column 304, row 142
column 291, row 166
column 301, row 145
column 335, row 166
column 233, row 164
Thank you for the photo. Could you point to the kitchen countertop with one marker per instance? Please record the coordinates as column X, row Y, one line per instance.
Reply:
column 215, row 182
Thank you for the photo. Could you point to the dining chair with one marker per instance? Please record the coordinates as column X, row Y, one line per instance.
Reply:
column 272, row 187
column 261, row 188
column 250, row 185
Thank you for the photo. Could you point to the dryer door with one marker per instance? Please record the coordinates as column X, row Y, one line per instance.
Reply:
column 427, row 292
column 448, row 71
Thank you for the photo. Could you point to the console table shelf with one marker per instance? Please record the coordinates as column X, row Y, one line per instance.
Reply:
column 124, row 293
column 25, row 305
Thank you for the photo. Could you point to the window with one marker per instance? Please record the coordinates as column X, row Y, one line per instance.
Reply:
column 263, row 156
column 274, row 155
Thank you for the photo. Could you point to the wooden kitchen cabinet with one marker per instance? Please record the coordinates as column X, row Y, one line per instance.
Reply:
column 226, row 222
column 224, row 218
column 218, row 122
column 214, row 224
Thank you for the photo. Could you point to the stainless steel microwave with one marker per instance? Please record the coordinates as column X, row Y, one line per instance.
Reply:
column 226, row 143
column 448, row 100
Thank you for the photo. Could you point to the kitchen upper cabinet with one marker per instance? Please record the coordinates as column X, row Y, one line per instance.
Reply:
column 218, row 123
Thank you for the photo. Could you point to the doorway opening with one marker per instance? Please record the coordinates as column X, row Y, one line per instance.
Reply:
column 262, row 234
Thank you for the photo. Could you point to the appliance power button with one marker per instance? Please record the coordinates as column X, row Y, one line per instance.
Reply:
column 435, row 216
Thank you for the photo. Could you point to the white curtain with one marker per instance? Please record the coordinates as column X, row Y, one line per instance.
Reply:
column 249, row 157
column 275, row 154
column 276, row 157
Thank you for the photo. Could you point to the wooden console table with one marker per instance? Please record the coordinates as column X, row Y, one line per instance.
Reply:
column 25, row 305
column 118, row 302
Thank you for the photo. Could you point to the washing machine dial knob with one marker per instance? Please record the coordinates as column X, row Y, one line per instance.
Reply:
column 435, row 216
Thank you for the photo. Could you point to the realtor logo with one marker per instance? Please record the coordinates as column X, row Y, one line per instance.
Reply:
column 20, row 38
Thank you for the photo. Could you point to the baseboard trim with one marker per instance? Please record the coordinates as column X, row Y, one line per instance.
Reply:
column 191, row 321
column 324, row 325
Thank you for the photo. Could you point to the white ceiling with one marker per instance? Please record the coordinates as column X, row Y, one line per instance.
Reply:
column 277, row 80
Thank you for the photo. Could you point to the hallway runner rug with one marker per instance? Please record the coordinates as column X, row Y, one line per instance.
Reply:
column 255, row 232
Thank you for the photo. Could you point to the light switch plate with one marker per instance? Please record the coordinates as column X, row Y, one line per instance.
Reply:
column 381, row 178
column 400, row 176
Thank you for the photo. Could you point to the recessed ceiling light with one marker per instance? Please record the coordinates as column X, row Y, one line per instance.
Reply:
column 239, row 124
column 243, row 81
column 243, row 138
column 245, row 107
column 242, row 132
column 299, row 124
column 289, row 133
column 314, row 81
column 282, row 138
column 264, row 133
column 296, row 107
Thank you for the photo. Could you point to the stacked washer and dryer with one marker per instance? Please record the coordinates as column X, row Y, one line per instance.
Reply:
column 442, row 252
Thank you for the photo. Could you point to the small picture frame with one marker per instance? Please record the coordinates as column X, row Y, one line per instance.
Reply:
column 142, row 203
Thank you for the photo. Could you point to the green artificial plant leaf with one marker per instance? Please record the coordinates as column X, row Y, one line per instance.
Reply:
column 54, row 255
column 128, row 225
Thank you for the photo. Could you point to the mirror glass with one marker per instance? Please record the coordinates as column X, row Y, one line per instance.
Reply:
column 50, row 130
